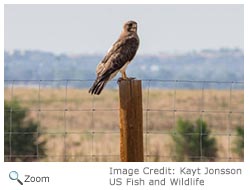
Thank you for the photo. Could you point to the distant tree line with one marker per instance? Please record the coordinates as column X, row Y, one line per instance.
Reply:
column 209, row 65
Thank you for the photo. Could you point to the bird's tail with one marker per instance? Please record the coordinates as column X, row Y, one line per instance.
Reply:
column 97, row 87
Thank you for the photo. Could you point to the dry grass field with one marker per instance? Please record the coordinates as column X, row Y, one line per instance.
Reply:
column 81, row 127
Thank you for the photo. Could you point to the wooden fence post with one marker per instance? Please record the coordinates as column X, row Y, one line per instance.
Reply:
column 131, row 122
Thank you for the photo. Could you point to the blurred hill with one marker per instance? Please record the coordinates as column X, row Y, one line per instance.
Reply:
column 210, row 65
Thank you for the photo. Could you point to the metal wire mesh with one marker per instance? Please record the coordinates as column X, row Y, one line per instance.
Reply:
column 81, row 127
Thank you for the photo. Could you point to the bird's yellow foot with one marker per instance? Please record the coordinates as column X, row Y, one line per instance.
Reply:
column 130, row 78
column 121, row 79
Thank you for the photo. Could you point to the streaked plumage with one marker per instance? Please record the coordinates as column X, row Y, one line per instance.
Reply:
column 118, row 57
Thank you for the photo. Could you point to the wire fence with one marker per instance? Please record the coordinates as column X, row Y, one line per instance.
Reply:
column 75, row 126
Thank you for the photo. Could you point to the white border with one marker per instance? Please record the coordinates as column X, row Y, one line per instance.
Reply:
column 95, row 174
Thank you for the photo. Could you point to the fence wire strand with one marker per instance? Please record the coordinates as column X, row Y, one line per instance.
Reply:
column 94, row 111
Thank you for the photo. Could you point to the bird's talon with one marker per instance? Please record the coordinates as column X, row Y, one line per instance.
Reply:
column 128, row 78
column 131, row 78
column 119, row 80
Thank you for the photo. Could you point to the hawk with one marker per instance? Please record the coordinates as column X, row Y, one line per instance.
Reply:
column 118, row 57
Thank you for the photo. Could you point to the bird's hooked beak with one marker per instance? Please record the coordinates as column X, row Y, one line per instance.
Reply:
column 134, row 28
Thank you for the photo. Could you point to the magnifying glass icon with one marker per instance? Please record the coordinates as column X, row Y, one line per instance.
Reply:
column 13, row 175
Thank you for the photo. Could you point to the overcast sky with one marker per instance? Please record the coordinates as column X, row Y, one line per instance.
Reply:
column 79, row 29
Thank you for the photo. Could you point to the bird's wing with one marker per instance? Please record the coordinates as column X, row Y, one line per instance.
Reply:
column 104, row 64
column 122, row 51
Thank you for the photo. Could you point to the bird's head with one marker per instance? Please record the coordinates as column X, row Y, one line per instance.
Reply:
column 130, row 26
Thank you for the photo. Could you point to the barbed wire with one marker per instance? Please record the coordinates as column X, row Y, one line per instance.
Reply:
column 147, row 110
